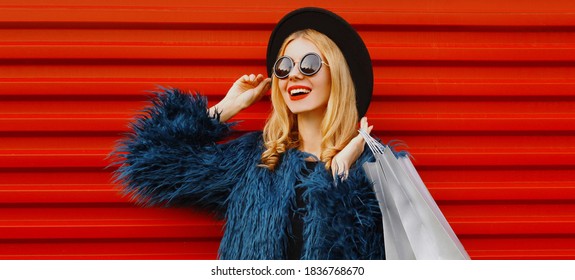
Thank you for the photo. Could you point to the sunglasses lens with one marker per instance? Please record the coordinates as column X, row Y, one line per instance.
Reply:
column 283, row 67
column 310, row 64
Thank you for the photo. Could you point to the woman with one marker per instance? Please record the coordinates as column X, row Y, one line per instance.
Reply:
column 278, row 200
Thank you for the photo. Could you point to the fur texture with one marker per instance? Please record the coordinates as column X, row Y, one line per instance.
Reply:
column 172, row 159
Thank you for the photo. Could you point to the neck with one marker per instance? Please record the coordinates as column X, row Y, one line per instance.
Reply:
column 309, row 128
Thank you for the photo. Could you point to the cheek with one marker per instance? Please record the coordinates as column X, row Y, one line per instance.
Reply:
column 326, row 86
column 282, row 84
column 325, row 82
column 326, row 95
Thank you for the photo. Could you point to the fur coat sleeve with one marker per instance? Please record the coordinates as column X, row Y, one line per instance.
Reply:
column 171, row 157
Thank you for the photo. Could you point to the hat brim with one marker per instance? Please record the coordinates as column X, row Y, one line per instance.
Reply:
column 342, row 34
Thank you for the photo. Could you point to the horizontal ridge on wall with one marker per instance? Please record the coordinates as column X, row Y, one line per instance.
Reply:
column 124, row 88
column 110, row 16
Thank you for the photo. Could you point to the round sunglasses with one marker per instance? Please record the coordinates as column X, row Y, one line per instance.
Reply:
column 309, row 65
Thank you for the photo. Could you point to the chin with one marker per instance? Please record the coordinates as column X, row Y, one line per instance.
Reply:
column 305, row 105
column 298, row 109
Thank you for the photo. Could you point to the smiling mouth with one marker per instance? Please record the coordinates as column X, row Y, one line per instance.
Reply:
column 298, row 92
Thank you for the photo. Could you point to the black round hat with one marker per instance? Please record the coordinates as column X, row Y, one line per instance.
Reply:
column 344, row 36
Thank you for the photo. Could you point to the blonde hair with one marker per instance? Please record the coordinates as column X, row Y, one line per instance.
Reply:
column 338, row 126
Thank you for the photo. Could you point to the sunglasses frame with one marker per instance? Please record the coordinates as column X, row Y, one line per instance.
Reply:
column 299, row 65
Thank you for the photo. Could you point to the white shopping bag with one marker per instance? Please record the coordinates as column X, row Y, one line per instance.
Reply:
column 414, row 227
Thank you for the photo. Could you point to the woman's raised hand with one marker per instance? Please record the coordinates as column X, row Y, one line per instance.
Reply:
column 248, row 89
column 245, row 91
column 341, row 163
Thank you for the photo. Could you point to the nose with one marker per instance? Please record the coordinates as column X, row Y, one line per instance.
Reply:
column 295, row 73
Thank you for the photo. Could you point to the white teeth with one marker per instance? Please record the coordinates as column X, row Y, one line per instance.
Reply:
column 299, row 91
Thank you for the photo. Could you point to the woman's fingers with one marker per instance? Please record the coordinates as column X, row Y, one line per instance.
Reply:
column 247, row 82
column 259, row 77
column 363, row 124
column 243, row 79
column 262, row 87
column 344, row 171
column 334, row 169
column 251, row 79
column 339, row 168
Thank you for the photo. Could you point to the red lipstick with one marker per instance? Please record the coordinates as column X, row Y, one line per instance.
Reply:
column 297, row 92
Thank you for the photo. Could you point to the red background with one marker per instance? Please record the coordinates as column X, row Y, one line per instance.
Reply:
column 483, row 93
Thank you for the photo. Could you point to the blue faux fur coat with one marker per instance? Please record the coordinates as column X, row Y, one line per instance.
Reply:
column 172, row 158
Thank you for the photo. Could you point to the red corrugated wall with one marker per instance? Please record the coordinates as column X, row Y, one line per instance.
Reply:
column 482, row 91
